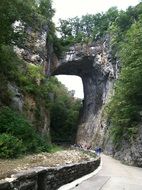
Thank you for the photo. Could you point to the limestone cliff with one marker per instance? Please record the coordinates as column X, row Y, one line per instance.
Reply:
column 36, row 112
column 98, row 69
column 34, row 55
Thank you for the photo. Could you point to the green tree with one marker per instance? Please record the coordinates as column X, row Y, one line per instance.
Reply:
column 126, row 104
column 64, row 115
column 86, row 28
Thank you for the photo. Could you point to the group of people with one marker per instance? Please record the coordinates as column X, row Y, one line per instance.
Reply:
column 98, row 150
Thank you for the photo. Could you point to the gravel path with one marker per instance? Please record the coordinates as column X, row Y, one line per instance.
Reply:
column 8, row 167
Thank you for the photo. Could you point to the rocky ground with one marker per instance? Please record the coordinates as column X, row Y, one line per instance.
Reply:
column 64, row 157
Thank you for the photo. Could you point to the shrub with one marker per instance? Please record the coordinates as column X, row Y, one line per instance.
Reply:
column 16, row 125
column 10, row 146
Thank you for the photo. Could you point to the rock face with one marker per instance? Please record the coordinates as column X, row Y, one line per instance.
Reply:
column 17, row 100
column 33, row 110
column 34, row 53
column 98, row 69
column 130, row 152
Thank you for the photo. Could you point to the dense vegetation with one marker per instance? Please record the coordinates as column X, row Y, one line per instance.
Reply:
column 86, row 29
column 20, row 22
column 64, row 117
column 18, row 136
column 126, row 105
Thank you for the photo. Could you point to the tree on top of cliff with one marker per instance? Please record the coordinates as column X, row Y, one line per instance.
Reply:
column 88, row 27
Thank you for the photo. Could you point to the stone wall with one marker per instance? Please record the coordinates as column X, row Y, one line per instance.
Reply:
column 45, row 178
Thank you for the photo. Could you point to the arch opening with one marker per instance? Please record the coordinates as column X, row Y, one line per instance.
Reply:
column 72, row 83
column 66, row 112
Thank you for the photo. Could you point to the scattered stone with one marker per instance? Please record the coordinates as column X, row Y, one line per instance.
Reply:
column 61, row 158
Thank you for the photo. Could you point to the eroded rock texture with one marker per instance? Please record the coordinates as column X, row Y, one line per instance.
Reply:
column 35, row 53
column 98, row 69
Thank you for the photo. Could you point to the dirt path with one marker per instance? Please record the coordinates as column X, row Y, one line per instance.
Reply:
column 114, row 176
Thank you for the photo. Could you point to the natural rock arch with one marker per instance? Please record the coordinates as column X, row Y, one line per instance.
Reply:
column 98, row 69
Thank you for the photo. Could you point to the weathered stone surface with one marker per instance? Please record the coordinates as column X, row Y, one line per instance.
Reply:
column 4, row 185
column 17, row 99
column 27, row 105
column 34, row 51
column 131, row 152
column 98, row 69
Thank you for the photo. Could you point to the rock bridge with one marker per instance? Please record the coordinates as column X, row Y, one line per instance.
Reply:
column 98, row 70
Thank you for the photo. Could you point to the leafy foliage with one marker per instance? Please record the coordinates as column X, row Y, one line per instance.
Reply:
column 64, row 115
column 87, row 28
column 126, row 105
column 10, row 146
column 14, row 124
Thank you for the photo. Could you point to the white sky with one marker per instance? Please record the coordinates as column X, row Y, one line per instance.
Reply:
column 71, row 8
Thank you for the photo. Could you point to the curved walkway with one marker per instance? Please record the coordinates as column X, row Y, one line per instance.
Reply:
column 113, row 176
